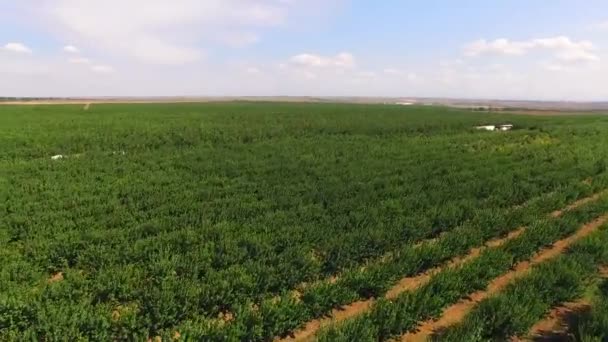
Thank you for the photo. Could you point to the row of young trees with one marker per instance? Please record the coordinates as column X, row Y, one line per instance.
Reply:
column 388, row 319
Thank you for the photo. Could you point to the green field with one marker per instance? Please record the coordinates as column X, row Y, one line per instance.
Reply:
column 244, row 221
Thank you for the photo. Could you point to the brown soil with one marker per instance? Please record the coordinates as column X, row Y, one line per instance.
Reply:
column 176, row 337
column 474, row 252
column 556, row 325
column 307, row 333
column 404, row 285
column 456, row 313
column 578, row 203
column 56, row 277
column 411, row 283
column 603, row 271
column 226, row 316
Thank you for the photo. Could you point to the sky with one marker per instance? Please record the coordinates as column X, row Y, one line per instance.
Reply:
column 500, row 49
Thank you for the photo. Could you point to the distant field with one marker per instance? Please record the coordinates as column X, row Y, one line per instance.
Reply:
column 259, row 221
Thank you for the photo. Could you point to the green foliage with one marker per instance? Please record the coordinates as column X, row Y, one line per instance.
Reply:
column 167, row 217
column 392, row 318
column 524, row 302
column 593, row 325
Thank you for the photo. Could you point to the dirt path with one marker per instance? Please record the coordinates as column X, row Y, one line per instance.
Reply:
column 578, row 203
column 404, row 285
column 308, row 332
column 87, row 105
column 457, row 312
column 557, row 324
column 411, row 283
column 473, row 253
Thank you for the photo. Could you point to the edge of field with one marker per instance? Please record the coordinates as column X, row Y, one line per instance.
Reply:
column 555, row 110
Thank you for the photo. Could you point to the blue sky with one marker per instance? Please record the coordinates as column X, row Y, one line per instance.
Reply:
column 511, row 49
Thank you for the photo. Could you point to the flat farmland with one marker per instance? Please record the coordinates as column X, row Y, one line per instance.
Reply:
column 244, row 221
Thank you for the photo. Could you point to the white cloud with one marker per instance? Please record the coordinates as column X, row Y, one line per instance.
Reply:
column 308, row 60
column 341, row 60
column 451, row 63
column 392, row 71
column 551, row 66
column 17, row 47
column 40, row 76
column 237, row 39
column 79, row 60
column 253, row 71
column 367, row 74
column 12, row 65
column 344, row 60
column 309, row 67
column 500, row 46
column 124, row 43
column 410, row 76
column 166, row 32
column 574, row 56
column 601, row 26
column 563, row 47
column 156, row 51
column 307, row 75
column 71, row 49
column 575, row 66
column 102, row 69
column 298, row 73
column 562, row 43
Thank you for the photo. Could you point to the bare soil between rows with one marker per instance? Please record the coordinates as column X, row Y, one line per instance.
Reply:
column 559, row 323
column 457, row 312
column 352, row 310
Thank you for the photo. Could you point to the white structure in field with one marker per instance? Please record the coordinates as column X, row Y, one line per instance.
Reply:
column 487, row 127
column 504, row 128
column 57, row 157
